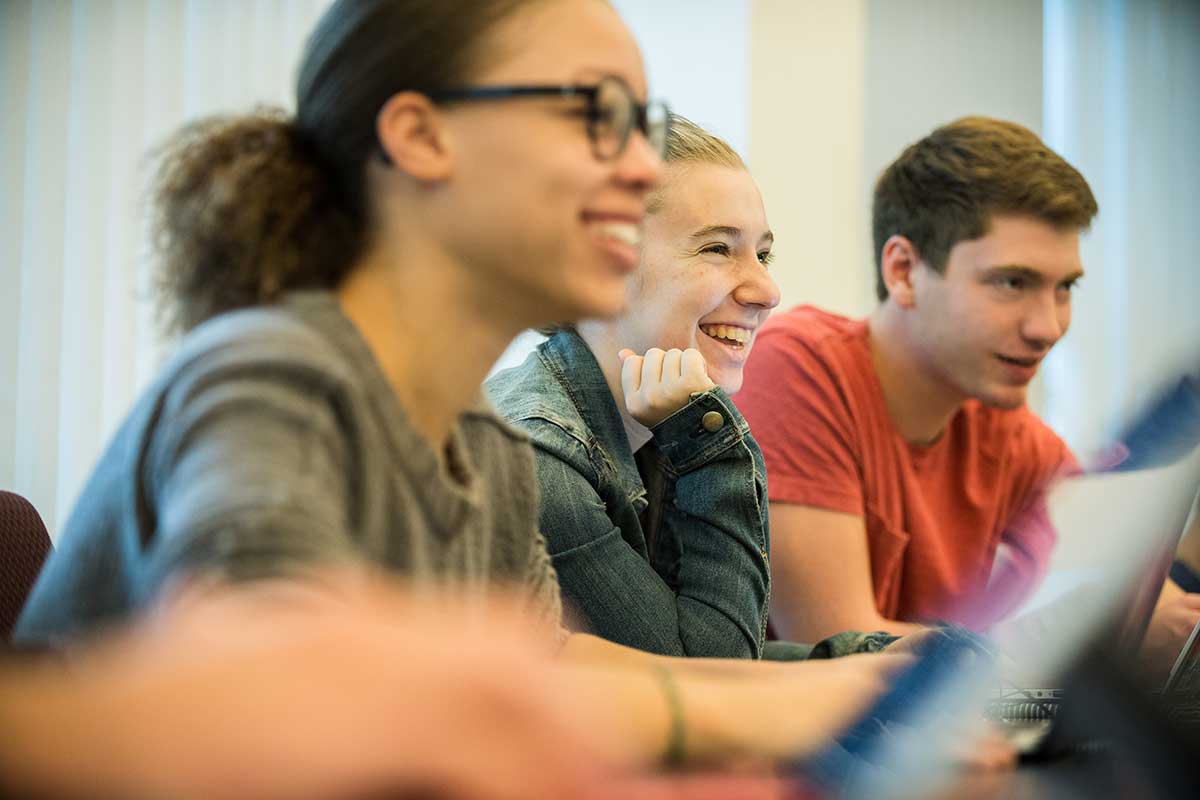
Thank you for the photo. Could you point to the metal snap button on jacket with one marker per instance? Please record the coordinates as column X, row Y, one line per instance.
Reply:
column 712, row 421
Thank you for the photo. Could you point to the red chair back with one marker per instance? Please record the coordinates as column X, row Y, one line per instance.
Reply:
column 24, row 546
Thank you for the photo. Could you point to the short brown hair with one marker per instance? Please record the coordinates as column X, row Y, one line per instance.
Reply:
column 944, row 188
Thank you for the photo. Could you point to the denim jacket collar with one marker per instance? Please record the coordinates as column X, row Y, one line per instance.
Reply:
column 574, row 366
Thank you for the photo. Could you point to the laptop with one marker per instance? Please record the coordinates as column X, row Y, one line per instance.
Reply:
column 1117, row 536
column 1025, row 713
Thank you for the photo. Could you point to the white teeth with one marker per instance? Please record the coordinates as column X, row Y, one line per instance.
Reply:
column 730, row 332
column 623, row 232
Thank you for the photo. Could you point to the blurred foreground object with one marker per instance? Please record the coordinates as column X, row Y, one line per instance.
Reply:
column 283, row 691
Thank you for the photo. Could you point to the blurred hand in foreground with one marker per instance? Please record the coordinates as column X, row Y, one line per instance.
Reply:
column 289, row 691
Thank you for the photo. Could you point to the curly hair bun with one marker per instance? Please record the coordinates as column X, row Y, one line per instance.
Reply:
column 243, row 211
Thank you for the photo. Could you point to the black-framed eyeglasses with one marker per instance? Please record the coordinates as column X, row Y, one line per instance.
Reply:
column 613, row 111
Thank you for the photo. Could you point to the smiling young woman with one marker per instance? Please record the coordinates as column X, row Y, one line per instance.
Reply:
column 454, row 174
column 652, row 487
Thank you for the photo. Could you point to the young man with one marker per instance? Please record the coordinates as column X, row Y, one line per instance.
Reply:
column 905, row 472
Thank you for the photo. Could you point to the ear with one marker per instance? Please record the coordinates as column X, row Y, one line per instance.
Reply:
column 414, row 136
column 898, row 263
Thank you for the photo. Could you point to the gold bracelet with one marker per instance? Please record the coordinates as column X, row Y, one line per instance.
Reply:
column 674, row 754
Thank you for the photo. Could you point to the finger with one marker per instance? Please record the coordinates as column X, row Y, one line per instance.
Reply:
column 625, row 353
column 1190, row 601
column 914, row 642
column 672, row 362
column 631, row 373
column 652, row 366
column 695, row 368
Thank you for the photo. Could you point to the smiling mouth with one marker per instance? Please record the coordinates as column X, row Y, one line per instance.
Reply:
column 624, row 232
column 728, row 335
column 1028, row 363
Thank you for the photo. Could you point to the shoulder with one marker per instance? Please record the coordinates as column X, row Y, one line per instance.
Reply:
column 809, row 344
column 1017, row 436
column 533, row 397
column 814, row 328
column 815, row 357
column 261, row 346
column 482, row 420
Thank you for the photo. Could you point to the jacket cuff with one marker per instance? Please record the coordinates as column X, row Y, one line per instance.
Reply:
column 700, row 431
column 850, row 642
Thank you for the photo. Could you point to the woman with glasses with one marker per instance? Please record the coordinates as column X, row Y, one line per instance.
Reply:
column 454, row 173
column 651, row 485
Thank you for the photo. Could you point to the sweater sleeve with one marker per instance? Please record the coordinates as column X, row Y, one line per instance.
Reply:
column 249, row 478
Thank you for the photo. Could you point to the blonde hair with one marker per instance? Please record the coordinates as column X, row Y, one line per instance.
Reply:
column 688, row 143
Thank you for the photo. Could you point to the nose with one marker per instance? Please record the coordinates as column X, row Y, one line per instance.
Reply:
column 1046, row 320
column 639, row 164
column 758, row 288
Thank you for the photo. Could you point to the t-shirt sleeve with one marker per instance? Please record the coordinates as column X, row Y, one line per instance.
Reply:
column 1042, row 459
column 797, row 409
column 1029, row 538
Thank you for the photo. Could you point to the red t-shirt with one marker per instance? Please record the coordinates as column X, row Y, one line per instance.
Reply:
column 935, row 515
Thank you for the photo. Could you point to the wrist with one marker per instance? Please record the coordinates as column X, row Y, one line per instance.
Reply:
column 675, row 751
column 57, row 733
column 38, row 733
column 712, row 721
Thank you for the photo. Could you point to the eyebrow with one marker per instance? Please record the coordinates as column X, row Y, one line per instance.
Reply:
column 718, row 230
column 1029, row 273
column 730, row 231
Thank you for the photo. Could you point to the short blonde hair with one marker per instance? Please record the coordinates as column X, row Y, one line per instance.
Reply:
column 688, row 143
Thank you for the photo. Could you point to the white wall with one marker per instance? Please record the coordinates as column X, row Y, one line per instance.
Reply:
column 697, row 58
column 1123, row 104
column 932, row 61
column 841, row 86
column 806, row 148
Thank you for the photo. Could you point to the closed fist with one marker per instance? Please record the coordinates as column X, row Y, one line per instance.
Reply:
column 661, row 382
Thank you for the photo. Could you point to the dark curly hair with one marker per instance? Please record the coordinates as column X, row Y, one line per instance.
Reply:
column 245, row 208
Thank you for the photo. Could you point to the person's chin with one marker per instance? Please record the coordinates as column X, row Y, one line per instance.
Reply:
column 601, row 299
column 1006, row 398
column 729, row 380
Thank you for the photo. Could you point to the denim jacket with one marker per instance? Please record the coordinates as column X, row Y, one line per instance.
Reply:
column 665, row 551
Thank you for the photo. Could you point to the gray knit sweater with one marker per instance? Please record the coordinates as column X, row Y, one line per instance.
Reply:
column 270, row 443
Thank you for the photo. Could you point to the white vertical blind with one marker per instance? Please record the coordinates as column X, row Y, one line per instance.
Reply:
column 1121, row 103
column 88, row 88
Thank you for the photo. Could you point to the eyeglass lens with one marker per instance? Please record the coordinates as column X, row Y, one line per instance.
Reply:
column 616, row 113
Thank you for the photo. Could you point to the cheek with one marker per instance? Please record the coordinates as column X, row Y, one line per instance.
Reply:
column 668, row 308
